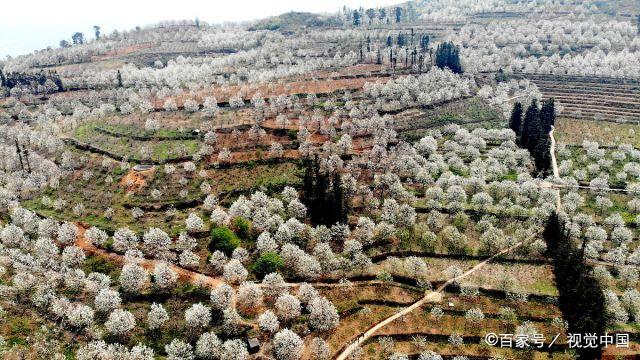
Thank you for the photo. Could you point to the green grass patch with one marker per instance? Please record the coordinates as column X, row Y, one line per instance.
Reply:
column 101, row 265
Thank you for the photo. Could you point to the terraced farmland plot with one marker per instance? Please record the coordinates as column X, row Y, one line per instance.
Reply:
column 591, row 97
column 574, row 131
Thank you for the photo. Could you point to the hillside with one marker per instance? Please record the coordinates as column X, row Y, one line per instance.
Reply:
column 292, row 21
column 433, row 180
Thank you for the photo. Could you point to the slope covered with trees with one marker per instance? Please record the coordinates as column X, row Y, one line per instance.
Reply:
column 373, row 183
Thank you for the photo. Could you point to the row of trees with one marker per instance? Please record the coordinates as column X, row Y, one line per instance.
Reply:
column 426, row 89
column 588, row 47
column 78, row 38
column 42, row 82
column 358, row 15
column 533, row 130
column 166, row 31
column 448, row 56
column 406, row 40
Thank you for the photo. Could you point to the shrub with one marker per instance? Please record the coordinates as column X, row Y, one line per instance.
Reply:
column 223, row 239
column 404, row 236
column 242, row 227
column 100, row 265
column 428, row 241
column 268, row 263
column 460, row 221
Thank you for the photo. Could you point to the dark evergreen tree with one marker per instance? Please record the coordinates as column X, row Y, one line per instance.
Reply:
column 535, row 133
column 527, row 127
column 548, row 115
column 543, row 143
column 424, row 42
column 338, row 197
column 542, row 155
column 368, row 43
column 64, row 44
column 401, row 39
column 96, row 31
column 552, row 230
column 307, row 179
column 56, row 79
column 382, row 14
column 371, row 14
column 119, row 76
column 448, row 56
column 3, row 80
column 398, row 14
column 581, row 297
column 19, row 152
column 356, row 18
column 26, row 158
column 379, row 57
column 515, row 122
column 323, row 195
column 389, row 41
column 78, row 38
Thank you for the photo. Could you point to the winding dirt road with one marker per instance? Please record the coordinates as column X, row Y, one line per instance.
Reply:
column 433, row 296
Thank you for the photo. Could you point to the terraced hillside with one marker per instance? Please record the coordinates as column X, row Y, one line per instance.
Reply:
column 375, row 184
column 592, row 98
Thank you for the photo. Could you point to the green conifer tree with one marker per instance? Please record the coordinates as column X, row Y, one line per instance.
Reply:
column 515, row 122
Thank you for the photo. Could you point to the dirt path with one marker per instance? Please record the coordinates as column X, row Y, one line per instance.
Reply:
column 554, row 164
column 433, row 296
column 190, row 276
